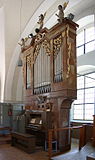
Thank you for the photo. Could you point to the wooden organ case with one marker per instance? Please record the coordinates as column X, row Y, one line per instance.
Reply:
column 49, row 71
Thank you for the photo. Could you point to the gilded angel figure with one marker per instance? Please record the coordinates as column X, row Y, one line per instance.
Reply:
column 61, row 9
column 22, row 43
column 41, row 20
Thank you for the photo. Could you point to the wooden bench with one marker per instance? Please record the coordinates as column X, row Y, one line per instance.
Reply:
column 26, row 142
column 5, row 135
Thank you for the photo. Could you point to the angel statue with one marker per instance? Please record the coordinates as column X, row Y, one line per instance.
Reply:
column 61, row 9
column 41, row 20
column 22, row 43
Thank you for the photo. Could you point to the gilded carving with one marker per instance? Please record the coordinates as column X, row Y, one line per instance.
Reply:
column 57, row 45
column 45, row 44
column 63, row 34
column 69, row 45
column 70, row 59
column 39, row 37
column 36, row 52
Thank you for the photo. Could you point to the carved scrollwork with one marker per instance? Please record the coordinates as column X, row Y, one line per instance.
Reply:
column 36, row 51
column 39, row 37
column 68, row 59
column 57, row 45
column 45, row 44
column 69, row 45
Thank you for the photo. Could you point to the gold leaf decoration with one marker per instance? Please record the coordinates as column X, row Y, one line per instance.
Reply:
column 69, row 45
column 57, row 45
column 46, row 45
column 39, row 37
column 36, row 52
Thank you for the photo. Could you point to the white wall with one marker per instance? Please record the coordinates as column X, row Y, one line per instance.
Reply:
column 87, row 59
column 2, row 52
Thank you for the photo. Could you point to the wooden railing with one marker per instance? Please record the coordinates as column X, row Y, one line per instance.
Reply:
column 82, row 138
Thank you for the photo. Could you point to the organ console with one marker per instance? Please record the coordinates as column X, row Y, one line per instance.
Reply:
column 49, row 73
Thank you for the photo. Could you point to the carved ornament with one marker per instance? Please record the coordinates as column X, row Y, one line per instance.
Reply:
column 36, row 51
column 69, row 45
column 39, row 37
column 45, row 44
column 57, row 45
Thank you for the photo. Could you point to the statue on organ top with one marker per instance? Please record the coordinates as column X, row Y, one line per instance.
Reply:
column 61, row 9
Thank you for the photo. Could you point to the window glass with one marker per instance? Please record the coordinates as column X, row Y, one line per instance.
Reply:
column 89, row 110
column 80, row 38
column 78, row 111
column 89, row 46
column 84, row 106
column 80, row 50
column 89, row 34
column 91, row 75
column 80, row 82
column 89, row 95
column 90, row 80
column 80, row 96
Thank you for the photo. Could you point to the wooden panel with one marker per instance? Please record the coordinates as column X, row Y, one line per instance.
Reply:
column 25, row 142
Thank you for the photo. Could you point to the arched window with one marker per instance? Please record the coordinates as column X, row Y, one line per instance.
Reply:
column 86, row 35
column 84, row 107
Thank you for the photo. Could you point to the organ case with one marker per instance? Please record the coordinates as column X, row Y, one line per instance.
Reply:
column 49, row 70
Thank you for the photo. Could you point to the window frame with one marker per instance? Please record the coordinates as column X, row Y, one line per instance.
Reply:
column 84, row 103
column 84, row 44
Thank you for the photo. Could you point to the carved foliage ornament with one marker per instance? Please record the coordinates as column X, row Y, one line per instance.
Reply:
column 57, row 45
column 69, row 44
column 39, row 37
column 46, row 45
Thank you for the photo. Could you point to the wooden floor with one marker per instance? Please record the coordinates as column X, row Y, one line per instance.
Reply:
column 75, row 154
column 7, row 152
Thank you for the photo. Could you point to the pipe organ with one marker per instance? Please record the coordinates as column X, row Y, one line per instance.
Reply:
column 49, row 73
